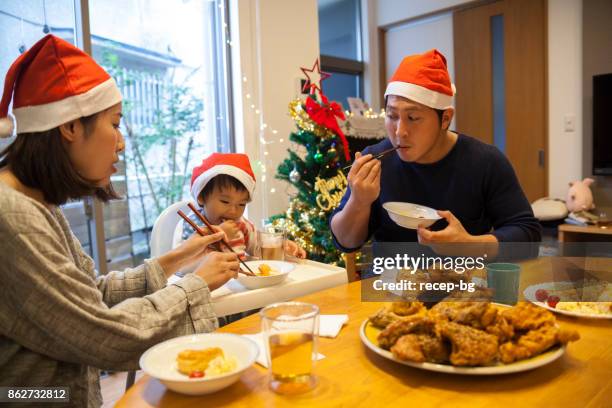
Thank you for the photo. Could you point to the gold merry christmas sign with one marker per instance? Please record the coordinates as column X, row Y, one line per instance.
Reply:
column 330, row 191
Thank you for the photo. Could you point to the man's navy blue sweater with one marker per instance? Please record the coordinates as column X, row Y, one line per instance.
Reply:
column 474, row 181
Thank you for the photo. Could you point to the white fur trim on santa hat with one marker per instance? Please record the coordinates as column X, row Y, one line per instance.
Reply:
column 6, row 127
column 39, row 118
column 200, row 182
column 420, row 94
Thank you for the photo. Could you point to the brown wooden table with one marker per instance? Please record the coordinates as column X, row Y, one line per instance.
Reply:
column 589, row 233
column 351, row 375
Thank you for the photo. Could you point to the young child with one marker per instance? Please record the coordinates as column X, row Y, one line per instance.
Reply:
column 222, row 186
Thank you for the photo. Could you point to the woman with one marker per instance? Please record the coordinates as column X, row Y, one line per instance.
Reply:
column 59, row 322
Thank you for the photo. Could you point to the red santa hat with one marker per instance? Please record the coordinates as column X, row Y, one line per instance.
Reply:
column 423, row 78
column 53, row 83
column 236, row 165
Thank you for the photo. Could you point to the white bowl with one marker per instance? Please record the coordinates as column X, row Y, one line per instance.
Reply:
column 256, row 282
column 160, row 361
column 410, row 215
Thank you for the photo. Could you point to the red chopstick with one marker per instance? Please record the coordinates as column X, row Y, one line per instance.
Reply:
column 212, row 231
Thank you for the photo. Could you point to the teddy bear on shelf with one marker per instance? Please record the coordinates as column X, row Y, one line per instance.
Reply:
column 580, row 201
column 579, row 196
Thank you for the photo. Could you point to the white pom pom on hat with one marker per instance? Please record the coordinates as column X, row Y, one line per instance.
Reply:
column 6, row 127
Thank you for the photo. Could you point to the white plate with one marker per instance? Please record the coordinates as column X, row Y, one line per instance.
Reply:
column 529, row 294
column 409, row 215
column 523, row 365
column 256, row 282
column 160, row 361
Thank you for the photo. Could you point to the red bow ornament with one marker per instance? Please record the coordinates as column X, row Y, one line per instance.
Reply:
column 326, row 114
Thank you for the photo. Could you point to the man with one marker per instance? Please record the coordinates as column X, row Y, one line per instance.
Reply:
column 473, row 183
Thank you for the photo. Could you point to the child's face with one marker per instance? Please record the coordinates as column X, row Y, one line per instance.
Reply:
column 225, row 203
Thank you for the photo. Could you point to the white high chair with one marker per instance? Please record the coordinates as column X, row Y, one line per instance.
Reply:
column 164, row 228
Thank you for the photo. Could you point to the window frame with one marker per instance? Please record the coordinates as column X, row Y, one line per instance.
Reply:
column 332, row 64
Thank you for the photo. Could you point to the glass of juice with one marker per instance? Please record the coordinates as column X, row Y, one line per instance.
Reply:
column 270, row 245
column 290, row 332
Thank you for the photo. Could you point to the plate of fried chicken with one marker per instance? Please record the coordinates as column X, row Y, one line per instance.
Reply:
column 473, row 337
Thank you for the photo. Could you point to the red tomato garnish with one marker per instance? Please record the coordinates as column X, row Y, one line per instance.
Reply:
column 541, row 295
column 196, row 374
column 552, row 301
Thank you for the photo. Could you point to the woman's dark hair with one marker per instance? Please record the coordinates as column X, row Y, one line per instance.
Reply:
column 220, row 182
column 39, row 160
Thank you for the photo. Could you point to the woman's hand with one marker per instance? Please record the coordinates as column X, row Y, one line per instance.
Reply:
column 293, row 249
column 197, row 246
column 189, row 252
column 364, row 179
column 217, row 268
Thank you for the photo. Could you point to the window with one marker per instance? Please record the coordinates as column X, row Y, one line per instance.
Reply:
column 340, row 44
column 170, row 60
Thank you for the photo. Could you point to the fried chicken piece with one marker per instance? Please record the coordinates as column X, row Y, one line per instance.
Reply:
column 566, row 335
column 527, row 316
column 535, row 342
column 501, row 328
column 417, row 324
column 420, row 348
column 396, row 312
column 408, row 308
column 384, row 317
column 470, row 346
column 476, row 314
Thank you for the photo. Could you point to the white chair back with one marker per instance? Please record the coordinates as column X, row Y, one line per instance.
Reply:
column 162, row 235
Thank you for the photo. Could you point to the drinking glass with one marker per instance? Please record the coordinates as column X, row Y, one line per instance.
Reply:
column 290, row 332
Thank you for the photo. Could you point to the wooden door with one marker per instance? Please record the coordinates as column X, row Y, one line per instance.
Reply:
column 524, row 83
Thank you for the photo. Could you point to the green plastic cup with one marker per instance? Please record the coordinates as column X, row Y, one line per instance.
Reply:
column 504, row 279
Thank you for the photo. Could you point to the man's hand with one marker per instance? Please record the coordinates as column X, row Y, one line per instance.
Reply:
column 364, row 179
column 454, row 232
column 449, row 241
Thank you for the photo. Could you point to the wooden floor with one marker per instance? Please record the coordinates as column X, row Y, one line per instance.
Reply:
column 113, row 387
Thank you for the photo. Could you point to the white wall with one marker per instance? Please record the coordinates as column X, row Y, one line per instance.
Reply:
column 564, row 94
column 394, row 11
column 271, row 40
column 419, row 36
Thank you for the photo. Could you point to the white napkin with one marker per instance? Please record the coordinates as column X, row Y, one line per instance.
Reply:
column 330, row 325
column 261, row 358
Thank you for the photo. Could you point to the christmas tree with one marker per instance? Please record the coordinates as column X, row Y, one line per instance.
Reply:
column 317, row 174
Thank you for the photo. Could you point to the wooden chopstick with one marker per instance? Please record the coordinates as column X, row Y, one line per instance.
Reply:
column 203, row 233
column 378, row 156
column 211, row 228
